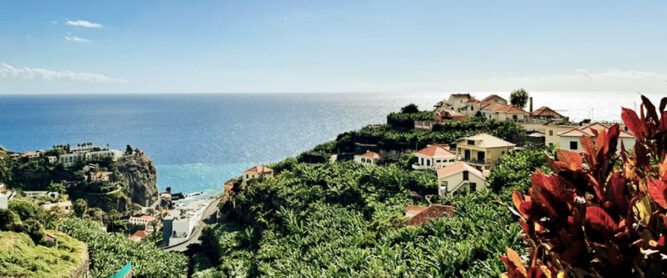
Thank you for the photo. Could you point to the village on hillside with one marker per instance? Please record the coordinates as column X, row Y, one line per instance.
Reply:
column 466, row 163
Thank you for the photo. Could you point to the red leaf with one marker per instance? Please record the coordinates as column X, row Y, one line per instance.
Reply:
column 616, row 190
column 658, row 191
column 599, row 220
column 650, row 109
column 633, row 123
column 589, row 148
column 572, row 159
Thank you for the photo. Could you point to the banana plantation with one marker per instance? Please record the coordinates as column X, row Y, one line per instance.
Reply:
column 347, row 220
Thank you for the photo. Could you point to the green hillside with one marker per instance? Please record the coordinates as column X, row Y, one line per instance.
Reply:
column 20, row 257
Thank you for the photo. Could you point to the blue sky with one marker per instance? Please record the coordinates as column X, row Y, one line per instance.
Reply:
column 331, row 46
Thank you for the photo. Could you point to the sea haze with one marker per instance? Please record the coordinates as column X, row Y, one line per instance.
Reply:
column 198, row 141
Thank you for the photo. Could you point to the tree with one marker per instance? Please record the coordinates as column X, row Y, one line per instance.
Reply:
column 8, row 219
column 24, row 209
column 56, row 187
column 519, row 98
column 80, row 207
column 34, row 229
column 410, row 109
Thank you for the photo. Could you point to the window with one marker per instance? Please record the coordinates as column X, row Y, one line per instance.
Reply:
column 473, row 187
column 428, row 162
column 465, row 175
column 551, row 132
column 438, row 161
column 471, row 142
column 573, row 145
column 551, row 144
column 515, row 117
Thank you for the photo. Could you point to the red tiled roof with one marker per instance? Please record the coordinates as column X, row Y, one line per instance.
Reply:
column 139, row 235
column 370, row 154
column 259, row 169
column 491, row 97
column 503, row 108
column 436, row 150
column 588, row 131
column 457, row 168
column 411, row 210
column 546, row 112
column 424, row 214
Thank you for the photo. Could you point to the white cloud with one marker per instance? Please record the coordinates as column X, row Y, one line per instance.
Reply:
column 54, row 22
column 77, row 39
column 83, row 23
column 26, row 73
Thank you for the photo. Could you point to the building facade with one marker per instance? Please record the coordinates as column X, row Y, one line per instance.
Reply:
column 433, row 157
column 457, row 176
column 482, row 150
column 368, row 158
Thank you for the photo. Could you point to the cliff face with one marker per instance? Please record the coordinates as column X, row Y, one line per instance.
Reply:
column 140, row 176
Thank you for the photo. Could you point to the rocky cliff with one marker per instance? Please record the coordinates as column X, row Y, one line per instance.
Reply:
column 140, row 176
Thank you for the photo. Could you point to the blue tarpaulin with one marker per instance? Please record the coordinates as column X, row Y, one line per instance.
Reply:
column 123, row 271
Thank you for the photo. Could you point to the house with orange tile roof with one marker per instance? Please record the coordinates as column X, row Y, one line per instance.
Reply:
column 418, row 215
column 259, row 171
column 570, row 139
column 433, row 157
column 459, row 175
column 545, row 113
column 368, row 158
column 503, row 112
column 445, row 114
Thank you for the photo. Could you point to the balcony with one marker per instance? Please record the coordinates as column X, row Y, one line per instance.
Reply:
column 482, row 162
column 418, row 166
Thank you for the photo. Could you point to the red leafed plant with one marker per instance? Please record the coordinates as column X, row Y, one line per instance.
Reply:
column 602, row 213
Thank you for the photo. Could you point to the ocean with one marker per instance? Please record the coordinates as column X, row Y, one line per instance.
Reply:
column 198, row 141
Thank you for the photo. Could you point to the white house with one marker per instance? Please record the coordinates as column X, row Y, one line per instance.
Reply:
column 458, row 100
column 368, row 158
column 4, row 200
column 570, row 139
column 434, row 157
column 459, row 175
column 143, row 221
column 259, row 171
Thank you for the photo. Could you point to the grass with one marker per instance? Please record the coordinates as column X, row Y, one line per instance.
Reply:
column 20, row 257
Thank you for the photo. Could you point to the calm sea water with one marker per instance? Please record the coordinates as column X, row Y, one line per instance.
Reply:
column 198, row 141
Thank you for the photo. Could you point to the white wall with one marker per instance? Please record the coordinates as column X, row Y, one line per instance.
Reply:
column 4, row 201
column 452, row 181
column 365, row 161
column 564, row 142
column 432, row 163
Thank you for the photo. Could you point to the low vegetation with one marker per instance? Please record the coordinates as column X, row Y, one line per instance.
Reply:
column 21, row 257
column 109, row 252
column 346, row 220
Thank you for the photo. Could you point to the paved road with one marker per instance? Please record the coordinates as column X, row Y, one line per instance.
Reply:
column 194, row 237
